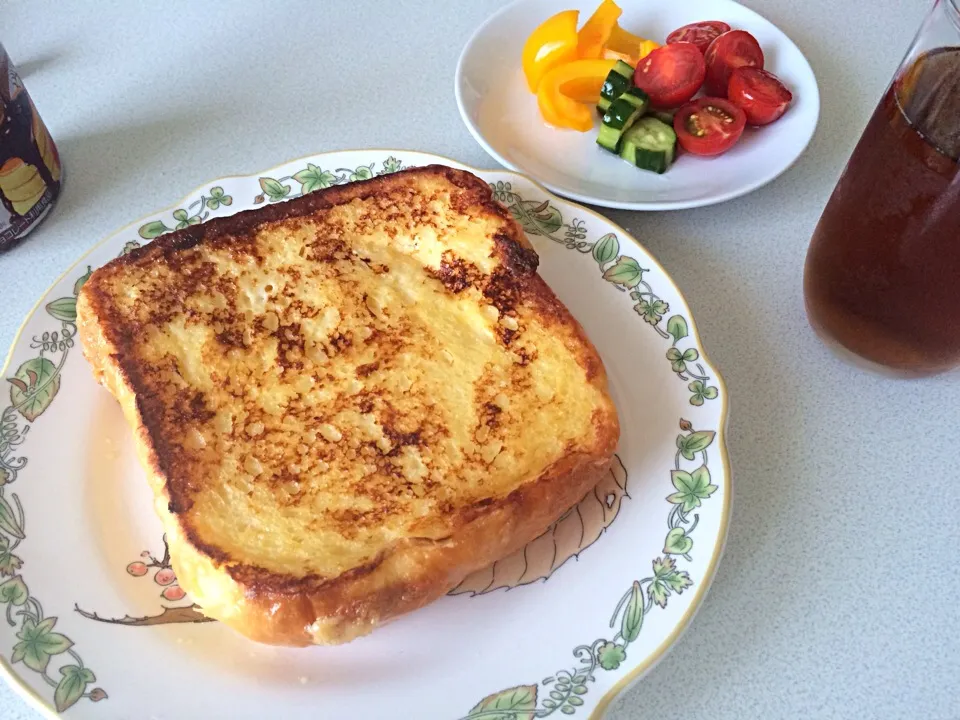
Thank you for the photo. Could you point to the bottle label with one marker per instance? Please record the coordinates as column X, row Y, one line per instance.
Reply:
column 29, row 163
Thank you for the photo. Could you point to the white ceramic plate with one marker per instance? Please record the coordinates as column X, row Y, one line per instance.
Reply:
column 502, row 114
column 96, row 626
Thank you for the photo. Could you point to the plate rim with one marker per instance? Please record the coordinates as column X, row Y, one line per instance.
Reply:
column 33, row 699
column 655, row 206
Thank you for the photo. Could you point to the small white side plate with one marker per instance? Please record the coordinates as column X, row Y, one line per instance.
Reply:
column 502, row 114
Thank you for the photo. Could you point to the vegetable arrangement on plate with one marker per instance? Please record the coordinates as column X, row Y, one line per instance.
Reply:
column 648, row 94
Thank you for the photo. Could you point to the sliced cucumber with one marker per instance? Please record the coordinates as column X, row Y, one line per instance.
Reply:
column 622, row 113
column 650, row 144
column 664, row 116
column 618, row 81
column 636, row 97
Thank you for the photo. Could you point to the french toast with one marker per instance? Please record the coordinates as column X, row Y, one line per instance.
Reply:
column 347, row 402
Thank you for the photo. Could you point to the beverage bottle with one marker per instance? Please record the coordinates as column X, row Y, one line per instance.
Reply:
column 882, row 275
column 30, row 173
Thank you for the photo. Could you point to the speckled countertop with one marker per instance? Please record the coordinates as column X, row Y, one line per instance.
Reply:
column 836, row 597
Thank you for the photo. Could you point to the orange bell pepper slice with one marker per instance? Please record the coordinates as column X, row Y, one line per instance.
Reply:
column 595, row 33
column 552, row 43
column 557, row 96
column 624, row 45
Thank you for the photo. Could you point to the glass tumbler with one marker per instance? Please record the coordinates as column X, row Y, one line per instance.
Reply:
column 882, row 275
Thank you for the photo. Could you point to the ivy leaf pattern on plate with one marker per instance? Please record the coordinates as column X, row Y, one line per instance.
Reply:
column 64, row 309
column 9, row 563
column 651, row 311
column 690, row 445
column 34, row 386
column 10, row 523
column 14, row 592
column 184, row 219
column 218, row 198
column 195, row 213
column 677, row 542
column 541, row 218
column 610, row 655
column 678, row 360
column 677, row 328
column 692, row 488
column 38, row 643
column 625, row 271
column 274, row 189
column 667, row 579
column 606, row 249
column 364, row 172
column 517, row 703
column 701, row 392
column 71, row 686
column 313, row 178
column 566, row 688
column 41, row 647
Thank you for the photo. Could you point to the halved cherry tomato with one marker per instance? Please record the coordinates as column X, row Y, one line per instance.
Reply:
column 552, row 43
column 733, row 49
column 597, row 29
column 709, row 125
column 671, row 74
column 700, row 34
column 760, row 95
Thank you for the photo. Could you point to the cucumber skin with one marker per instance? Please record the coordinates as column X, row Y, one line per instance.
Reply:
column 619, row 80
column 649, row 131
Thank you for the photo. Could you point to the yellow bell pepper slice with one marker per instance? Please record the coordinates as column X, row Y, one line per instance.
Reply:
column 579, row 78
column 552, row 43
column 583, row 89
column 624, row 45
column 596, row 31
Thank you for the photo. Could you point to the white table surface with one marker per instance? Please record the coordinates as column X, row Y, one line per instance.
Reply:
column 837, row 595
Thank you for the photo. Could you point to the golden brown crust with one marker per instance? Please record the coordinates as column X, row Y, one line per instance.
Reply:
column 311, row 607
column 387, row 588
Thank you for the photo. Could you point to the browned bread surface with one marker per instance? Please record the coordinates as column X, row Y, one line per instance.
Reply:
column 347, row 402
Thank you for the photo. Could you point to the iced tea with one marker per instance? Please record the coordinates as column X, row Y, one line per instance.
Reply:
column 882, row 276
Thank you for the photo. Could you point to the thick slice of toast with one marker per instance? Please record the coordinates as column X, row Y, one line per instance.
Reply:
column 347, row 402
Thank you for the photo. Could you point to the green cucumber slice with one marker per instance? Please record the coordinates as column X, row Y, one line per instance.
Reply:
column 650, row 144
column 622, row 113
column 619, row 80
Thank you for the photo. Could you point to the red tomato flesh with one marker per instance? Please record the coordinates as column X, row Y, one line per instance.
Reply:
column 709, row 126
column 760, row 95
column 733, row 49
column 671, row 74
column 700, row 34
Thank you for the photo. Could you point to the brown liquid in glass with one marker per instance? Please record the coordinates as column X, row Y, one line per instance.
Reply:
column 882, row 275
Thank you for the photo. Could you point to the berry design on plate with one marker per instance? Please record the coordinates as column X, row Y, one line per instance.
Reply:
column 173, row 593
column 165, row 577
